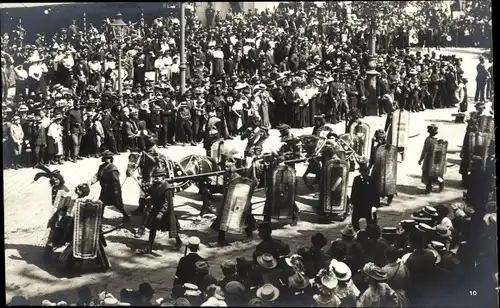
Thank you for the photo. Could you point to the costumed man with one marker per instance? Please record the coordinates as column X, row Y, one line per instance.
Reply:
column 250, row 223
column 320, row 129
column 378, row 140
column 290, row 148
column 162, row 216
column 213, row 129
column 56, row 237
column 256, row 137
column 364, row 198
column 425, row 157
column 109, row 178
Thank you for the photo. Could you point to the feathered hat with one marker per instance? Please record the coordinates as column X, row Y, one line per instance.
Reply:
column 51, row 175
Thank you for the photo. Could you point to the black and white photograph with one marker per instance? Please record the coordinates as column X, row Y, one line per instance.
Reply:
column 249, row 154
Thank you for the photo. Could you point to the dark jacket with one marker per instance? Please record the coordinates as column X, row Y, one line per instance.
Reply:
column 186, row 269
column 109, row 178
column 75, row 122
column 363, row 194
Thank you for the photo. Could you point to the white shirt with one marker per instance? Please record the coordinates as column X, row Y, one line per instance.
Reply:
column 36, row 71
column 21, row 73
column 95, row 66
column 68, row 62
column 218, row 54
column 109, row 65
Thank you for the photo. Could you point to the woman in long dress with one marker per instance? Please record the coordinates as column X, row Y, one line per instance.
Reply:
column 54, row 141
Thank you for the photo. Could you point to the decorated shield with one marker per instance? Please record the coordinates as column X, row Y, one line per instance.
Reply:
column 385, row 168
column 478, row 147
column 486, row 124
column 435, row 161
column 361, row 131
column 64, row 200
column 216, row 150
column 87, row 228
column 237, row 200
column 399, row 129
column 283, row 192
column 334, row 191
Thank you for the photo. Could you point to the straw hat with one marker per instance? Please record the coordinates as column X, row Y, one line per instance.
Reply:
column 266, row 260
column 329, row 281
column 268, row 292
column 341, row 270
column 374, row 272
column 442, row 231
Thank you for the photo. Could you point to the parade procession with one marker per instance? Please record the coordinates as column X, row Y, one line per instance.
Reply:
column 275, row 154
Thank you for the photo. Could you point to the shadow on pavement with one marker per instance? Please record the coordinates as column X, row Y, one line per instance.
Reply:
column 411, row 190
column 33, row 255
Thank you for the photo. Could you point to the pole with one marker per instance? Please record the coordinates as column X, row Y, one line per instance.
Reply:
column 372, row 73
column 20, row 34
column 120, row 81
column 214, row 173
column 85, row 26
column 182, row 66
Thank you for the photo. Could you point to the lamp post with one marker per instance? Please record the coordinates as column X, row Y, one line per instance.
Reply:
column 372, row 72
column 119, row 26
column 182, row 66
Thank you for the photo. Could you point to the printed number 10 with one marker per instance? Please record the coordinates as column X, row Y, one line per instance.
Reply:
column 473, row 293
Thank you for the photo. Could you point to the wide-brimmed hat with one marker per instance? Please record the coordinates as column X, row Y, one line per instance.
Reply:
column 374, row 272
column 298, row 281
column 260, row 86
column 329, row 281
column 316, row 82
column 430, row 211
column 240, row 85
column 442, row 231
column 390, row 231
column 423, row 227
column 107, row 154
column 420, row 216
column 438, row 245
column 234, row 288
column 268, row 292
column 348, row 231
column 341, row 270
column 267, row 260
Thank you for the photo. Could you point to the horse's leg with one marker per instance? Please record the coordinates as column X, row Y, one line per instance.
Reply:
column 304, row 177
column 205, row 197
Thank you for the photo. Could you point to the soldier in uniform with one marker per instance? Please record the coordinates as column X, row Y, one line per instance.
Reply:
column 433, row 131
column 255, row 135
column 213, row 129
column 109, row 178
column 162, row 216
column 229, row 176
column 364, row 197
column 75, row 127
column 378, row 140
column 290, row 148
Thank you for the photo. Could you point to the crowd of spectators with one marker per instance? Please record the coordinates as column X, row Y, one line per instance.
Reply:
column 284, row 67
column 60, row 102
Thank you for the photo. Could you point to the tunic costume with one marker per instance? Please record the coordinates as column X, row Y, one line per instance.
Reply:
column 162, row 215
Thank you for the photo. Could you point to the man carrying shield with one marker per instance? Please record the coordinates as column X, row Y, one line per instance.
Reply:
column 434, row 159
column 235, row 213
column 383, row 159
column 162, row 216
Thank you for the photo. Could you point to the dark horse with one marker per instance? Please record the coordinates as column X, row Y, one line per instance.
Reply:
column 209, row 185
column 146, row 163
